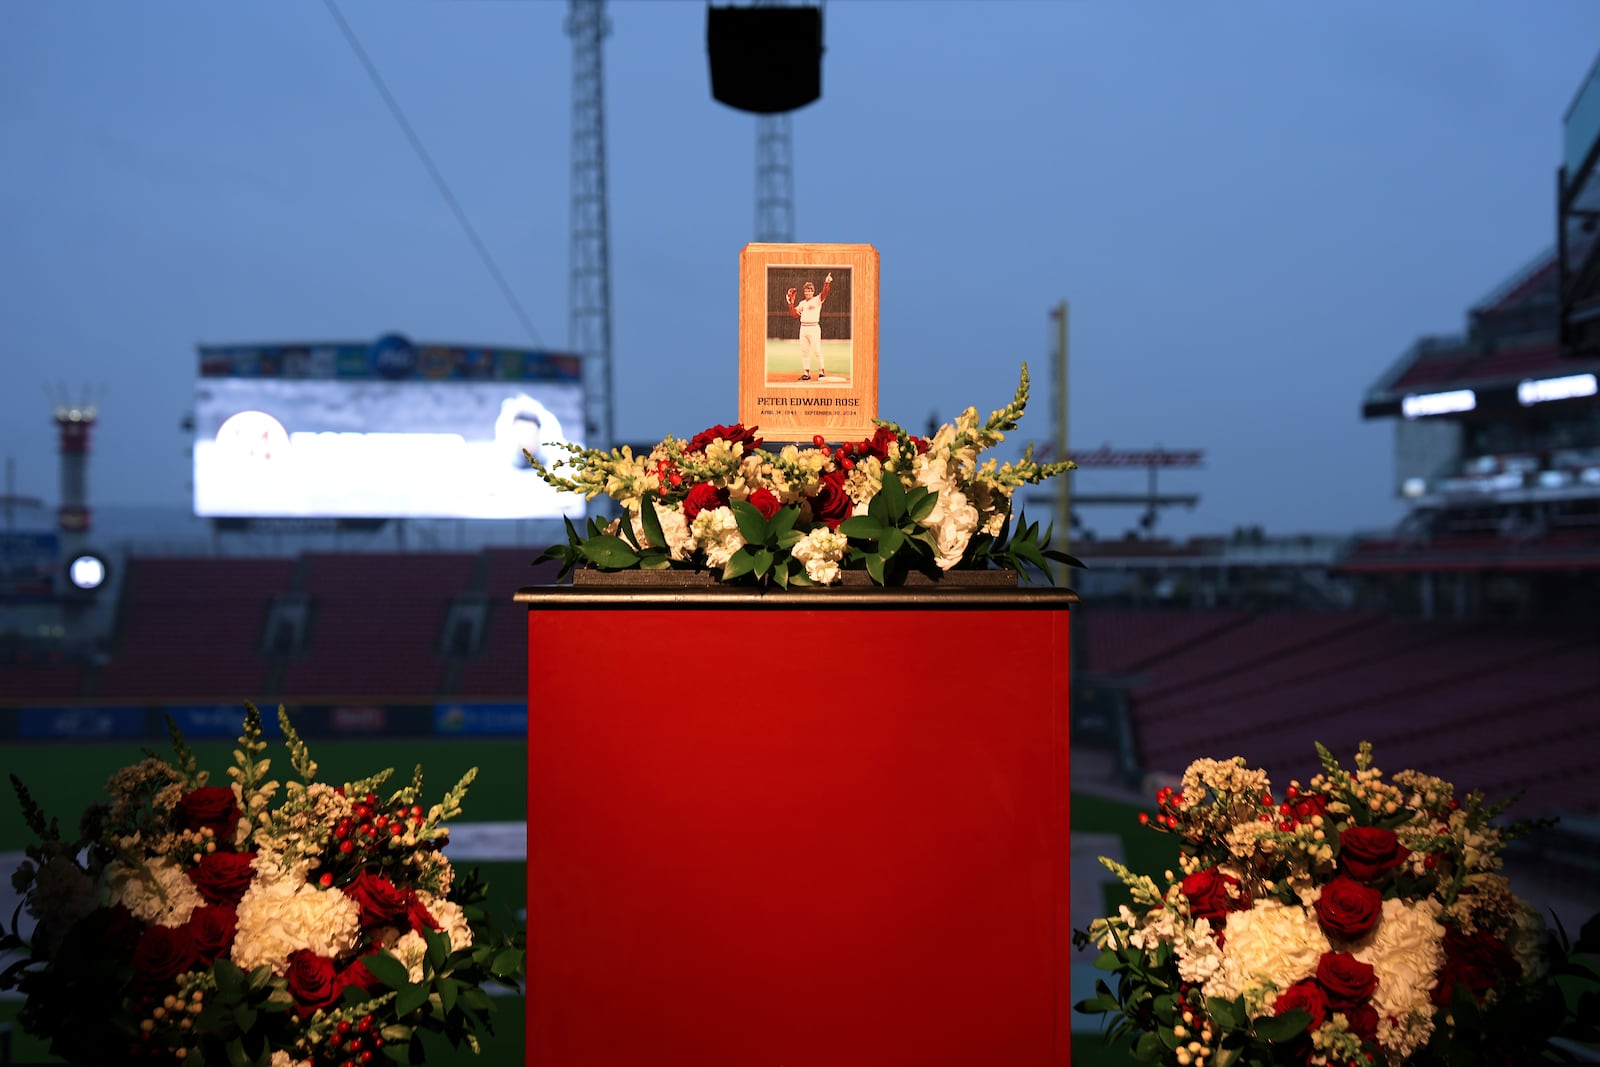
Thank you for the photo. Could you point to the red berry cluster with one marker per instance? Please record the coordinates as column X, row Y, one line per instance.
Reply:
column 1169, row 801
column 668, row 473
column 351, row 1045
column 368, row 828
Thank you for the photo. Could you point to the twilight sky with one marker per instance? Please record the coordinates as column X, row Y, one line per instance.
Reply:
column 1253, row 208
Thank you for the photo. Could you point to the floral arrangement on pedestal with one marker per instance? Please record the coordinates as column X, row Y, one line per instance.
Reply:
column 890, row 505
column 258, row 923
column 1350, row 920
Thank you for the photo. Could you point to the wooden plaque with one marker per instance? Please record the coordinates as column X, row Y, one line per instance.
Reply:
column 808, row 341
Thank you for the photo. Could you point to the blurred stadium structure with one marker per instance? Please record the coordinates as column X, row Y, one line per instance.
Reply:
column 1464, row 641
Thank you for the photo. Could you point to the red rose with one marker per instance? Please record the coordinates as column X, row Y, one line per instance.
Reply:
column 312, row 982
column 737, row 434
column 1347, row 909
column 1208, row 895
column 831, row 504
column 419, row 918
column 1479, row 961
column 766, row 502
column 1367, row 852
column 1363, row 1020
column 703, row 497
column 1308, row 997
column 1346, row 980
column 211, row 927
column 382, row 903
column 360, row 977
column 878, row 444
column 222, row 877
column 113, row 929
column 163, row 953
column 211, row 807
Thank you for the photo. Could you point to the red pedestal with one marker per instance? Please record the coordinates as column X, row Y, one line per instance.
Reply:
column 823, row 829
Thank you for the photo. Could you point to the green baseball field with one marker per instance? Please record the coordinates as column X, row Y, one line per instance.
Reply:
column 783, row 361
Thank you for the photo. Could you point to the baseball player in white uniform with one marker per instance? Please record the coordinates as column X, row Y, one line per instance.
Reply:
column 809, row 311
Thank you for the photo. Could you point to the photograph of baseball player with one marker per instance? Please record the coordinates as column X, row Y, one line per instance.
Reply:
column 809, row 336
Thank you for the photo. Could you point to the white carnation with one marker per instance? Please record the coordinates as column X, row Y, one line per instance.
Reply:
column 820, row 551
column 279, row 918
column 158, row 893
column 1270, row 945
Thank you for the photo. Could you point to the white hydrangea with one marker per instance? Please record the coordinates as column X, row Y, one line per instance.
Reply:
column 716, row 530
column 820, row 551
column 277, row 919
column 450, row 917
column 1269, row 946
column 1406, row 951
column 136, row 888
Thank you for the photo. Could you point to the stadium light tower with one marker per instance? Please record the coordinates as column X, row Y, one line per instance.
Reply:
column 589, row 324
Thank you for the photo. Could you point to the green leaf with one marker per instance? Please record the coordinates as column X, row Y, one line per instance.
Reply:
column 475, row 998
column 1108, row 961
column 788, row 539
column 410, row 999
column 923, row 506
column 1227, row 1013
column 447, row 988
column 739, row 564
column 650, row 521
column 236, row 1054
column 781, row 523
column 388, row 970
column 1148, row 1047
column 893, row 495
column 260, row 978
column 230, row 981
column 245, row 1016
column 1283, row 1027
column 438, row 948
column 863, row 526
column 651, row 560
column 507, row 963
column 609, row 551
column 875, row 568
column 891, row 542
column 752, row 524
column 763, row 560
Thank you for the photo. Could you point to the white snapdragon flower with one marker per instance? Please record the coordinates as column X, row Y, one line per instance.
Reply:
column 279, row 918
column 411, row 950
column 137, row 890
column 281, row 1058
column 820, row 551
column 716, row 531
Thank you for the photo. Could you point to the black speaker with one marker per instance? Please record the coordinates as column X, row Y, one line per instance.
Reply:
column 765, row 59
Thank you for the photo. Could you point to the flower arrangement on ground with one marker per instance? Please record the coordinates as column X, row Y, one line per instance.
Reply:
column 294, row 924
column 889, row 505
column 1351, row 920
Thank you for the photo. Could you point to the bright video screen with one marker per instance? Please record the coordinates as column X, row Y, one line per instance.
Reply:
column 330, row 448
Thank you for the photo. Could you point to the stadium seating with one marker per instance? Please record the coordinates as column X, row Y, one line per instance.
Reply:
column 499, row 669
column 190, row 629
column 376, row 625
column 1494, row 707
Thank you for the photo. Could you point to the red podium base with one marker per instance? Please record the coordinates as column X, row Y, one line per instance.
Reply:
column 821, row 829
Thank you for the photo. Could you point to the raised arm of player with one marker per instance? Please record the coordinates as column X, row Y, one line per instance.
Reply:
column 827, row 283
